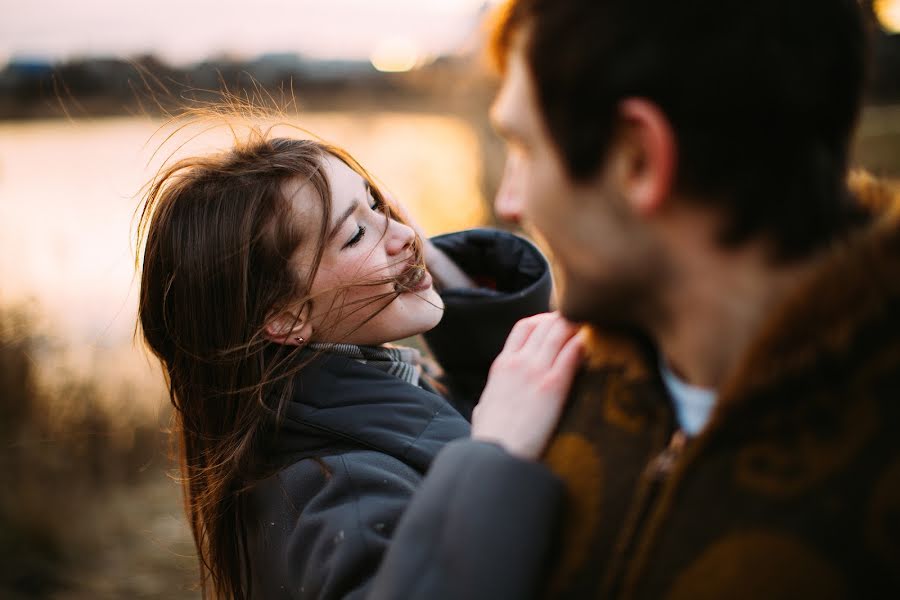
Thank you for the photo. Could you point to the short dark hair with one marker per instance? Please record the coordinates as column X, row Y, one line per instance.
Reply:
column 763, row 97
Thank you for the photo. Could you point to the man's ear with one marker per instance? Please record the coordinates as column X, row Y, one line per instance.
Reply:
column 290, row 327
column 648, row 155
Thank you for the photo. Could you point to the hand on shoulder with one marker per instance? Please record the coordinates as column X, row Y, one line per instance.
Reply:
column 528, row 385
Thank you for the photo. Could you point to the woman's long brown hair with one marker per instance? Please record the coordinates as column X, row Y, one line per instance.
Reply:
column 218, row 235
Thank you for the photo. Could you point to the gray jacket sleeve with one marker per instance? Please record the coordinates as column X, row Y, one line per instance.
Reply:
column 479, row 525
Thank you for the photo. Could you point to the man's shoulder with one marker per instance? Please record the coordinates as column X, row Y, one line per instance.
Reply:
column 609, row 351
column 619, row 387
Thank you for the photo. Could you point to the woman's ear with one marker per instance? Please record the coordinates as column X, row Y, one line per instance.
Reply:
column 290, row 327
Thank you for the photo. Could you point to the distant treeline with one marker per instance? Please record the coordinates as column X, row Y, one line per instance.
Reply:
column 145, row 84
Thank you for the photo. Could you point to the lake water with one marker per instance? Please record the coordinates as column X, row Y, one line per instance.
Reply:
column 69, row 191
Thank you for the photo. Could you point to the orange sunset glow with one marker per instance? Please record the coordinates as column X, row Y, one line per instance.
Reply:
column 888, row 13
column 187, row 31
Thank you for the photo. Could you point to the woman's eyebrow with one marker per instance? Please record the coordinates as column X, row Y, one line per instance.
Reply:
column 337, row 224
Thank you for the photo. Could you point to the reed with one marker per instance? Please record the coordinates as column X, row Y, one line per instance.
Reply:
column 57, row 465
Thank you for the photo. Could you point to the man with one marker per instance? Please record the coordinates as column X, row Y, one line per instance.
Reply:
column 735, row 432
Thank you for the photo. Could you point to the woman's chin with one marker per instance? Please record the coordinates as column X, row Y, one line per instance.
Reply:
column 408, row 315
column 422, row 311
column 425, row 310
column 436, row 310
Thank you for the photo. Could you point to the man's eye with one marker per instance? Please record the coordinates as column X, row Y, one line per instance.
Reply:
column 356, row 238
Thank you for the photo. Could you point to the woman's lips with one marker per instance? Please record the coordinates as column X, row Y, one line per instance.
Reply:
column 418, row 280
column 422, row 283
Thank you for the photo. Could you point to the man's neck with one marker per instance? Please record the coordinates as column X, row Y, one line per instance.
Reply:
column 716, row 306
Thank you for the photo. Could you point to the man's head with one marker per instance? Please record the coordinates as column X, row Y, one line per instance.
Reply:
column 624, row 116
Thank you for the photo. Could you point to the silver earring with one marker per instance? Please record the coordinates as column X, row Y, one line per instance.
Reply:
column 299, row 339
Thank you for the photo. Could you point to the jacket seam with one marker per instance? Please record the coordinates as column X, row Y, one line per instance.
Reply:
column 356, row 503
column 431, row 421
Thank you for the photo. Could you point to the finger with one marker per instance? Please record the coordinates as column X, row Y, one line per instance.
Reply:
column 535, row 341
column 561, row 332
column 569, row 358
column 518, row 335
column 521, row 332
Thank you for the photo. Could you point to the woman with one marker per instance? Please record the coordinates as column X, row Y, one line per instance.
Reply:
column 273, row 275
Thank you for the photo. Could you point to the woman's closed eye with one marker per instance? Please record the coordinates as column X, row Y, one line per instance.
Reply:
column 357, row 237
column 376, row 204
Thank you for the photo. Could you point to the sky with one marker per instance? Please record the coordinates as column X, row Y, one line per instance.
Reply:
column 182, row 31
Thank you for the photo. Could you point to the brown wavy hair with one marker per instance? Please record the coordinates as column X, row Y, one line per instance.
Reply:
column 218, row 236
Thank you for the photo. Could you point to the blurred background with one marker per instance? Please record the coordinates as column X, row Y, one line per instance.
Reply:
column 88, row 504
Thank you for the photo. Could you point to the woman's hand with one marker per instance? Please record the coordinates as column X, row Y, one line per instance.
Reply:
column 445, row 272
column 528, row 385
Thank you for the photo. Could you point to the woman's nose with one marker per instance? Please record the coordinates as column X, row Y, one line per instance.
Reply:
column 400, row 237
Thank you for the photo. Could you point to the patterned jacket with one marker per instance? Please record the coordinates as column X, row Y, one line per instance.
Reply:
column 791, row 491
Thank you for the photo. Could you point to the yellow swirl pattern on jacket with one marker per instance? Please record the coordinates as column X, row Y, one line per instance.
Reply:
column 576, row 462
column 602, row 350
column 768, row 565
column 617, row 397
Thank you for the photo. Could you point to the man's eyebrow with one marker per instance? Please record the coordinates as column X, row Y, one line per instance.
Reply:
column 337, row 224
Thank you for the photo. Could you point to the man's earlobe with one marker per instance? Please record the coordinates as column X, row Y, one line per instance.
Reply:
column 651, row 158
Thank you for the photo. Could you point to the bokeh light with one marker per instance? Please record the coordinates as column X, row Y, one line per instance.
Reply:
column 888, row 13
column 396, row 55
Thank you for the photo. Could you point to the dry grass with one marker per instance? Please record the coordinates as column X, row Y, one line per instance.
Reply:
column 86, row 507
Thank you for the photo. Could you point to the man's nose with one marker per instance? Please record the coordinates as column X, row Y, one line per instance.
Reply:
column 507, row 207
column 508, row 202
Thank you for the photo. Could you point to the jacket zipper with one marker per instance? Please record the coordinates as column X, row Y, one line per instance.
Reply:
column 654, row 476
